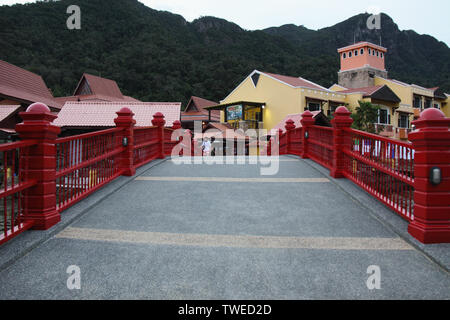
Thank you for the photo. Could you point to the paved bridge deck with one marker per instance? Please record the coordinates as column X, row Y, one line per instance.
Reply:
column 226, row 232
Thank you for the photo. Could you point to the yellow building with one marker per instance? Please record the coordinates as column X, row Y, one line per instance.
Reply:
column 264, row 99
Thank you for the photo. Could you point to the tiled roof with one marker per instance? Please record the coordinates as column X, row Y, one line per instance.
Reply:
column 296, row 82
column 101, row 86
column 102, row 114
column 102, row 90
column 6, row 111
column 294, row 117
column 94, row 98
column 367, row 91
column 24, row 85
column 201, row 114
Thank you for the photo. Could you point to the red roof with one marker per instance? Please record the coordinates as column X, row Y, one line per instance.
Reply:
column 367, row 91
column 24, row 85
column 102, row 114
column 295, row 82
column 101, row 89
column 199, row 114
column 100, row 86
column 6, row 111
column 294, row 117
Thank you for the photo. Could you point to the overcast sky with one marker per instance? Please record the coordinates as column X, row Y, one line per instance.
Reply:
column 425, row 17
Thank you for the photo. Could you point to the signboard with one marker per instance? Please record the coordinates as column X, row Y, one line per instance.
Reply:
column 234, row 112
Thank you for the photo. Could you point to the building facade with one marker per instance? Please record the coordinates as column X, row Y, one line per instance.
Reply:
column 267, row 98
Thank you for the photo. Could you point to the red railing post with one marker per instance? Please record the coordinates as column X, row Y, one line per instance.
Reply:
column 176, row 125
column 158, row 121
column 307, row 121
column 431, row 142
column 290, row 125
column 125, row 121
column 341, row 121
column 39, row 164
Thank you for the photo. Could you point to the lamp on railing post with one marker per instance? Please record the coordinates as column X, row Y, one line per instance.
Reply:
column 39, row 164
column 125, row 121
column 158, row 121
column 431, row 141
column 307, row 121
column 290, row 125
column 340, row 122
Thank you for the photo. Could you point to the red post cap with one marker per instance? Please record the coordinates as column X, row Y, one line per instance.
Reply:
column 307, row 118
column 432, row 118
column 38, row 112
column 342, row 112
column 38, row 107
column 290, row 125
column 158, row 120
column 176, row 125
column 432, row 114
column 125, row 118
column 125, row 111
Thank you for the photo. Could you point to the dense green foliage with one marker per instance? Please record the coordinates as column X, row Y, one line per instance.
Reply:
column 158, row 56
column 365, row 116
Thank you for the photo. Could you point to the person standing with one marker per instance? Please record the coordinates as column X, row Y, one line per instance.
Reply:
column 206, row 147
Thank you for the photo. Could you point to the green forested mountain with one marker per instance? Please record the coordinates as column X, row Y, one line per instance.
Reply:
column 159, row 56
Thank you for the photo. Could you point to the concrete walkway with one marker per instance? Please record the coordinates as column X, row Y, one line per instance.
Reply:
column 226, row 232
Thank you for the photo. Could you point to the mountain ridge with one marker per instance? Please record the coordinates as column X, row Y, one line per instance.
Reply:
column 159, row 56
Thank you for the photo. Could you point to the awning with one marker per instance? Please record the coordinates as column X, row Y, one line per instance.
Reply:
column 244, row 103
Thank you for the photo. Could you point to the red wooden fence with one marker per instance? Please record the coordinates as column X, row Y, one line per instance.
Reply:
column 44, row 175
column 394, row 172
column 14, row 185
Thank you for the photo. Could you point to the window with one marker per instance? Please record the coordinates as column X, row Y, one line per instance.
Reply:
column 314, row 106
column 427, row 103
column 437, row 105
column 344, row 55
column 332, row 109
column 350, row 54
column 362, row 51
column 403, row 121
column 384, row 116
column 381, row 54
column 255, row 79
column 378, row 53
column 356, row 53
column 370, row 51
column 417, row 102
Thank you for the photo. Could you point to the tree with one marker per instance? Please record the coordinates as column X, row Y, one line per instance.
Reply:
column 365, row 117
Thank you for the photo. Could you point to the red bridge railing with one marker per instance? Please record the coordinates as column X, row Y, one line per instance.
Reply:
column 412, row 179
column 85, row 163
column 383, row 167
column 13, row 185
column 43, row 175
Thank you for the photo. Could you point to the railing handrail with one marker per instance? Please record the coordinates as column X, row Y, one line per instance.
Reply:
column 144, row 128
column 88, row 135
column 377, row 137
column 322, row 128
column 17, row 145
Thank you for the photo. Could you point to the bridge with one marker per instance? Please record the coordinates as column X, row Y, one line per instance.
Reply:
column 148, row 226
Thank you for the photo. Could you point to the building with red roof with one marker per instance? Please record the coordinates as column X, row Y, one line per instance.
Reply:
column 94, row 88
column 21, row 87
column 195, row 111
column 81, row 117
column 264, row 99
